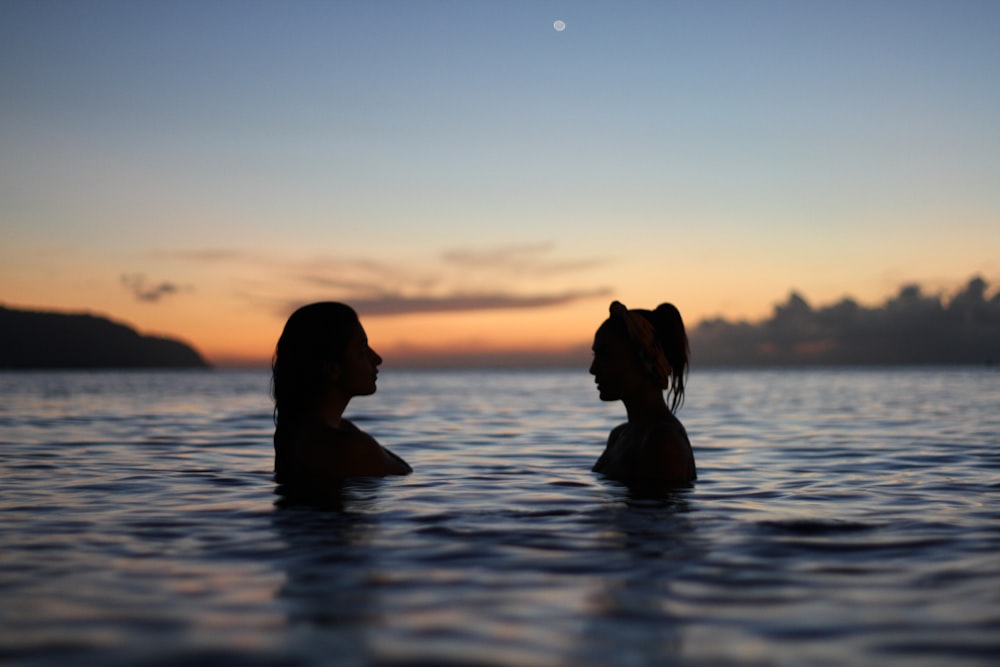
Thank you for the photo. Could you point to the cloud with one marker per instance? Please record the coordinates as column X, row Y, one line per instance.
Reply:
column 458, row 280
column 910, row 328
column 341, row 284
column 524, row 259
column 143, row 291
column 327, row 271
column 205, row 255
column 363, row 276
column 395, row 304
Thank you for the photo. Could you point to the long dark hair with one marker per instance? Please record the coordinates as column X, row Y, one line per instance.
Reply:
column 670, row 332
column 314, row 336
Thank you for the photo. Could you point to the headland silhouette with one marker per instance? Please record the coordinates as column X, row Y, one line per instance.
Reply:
column 52, row 340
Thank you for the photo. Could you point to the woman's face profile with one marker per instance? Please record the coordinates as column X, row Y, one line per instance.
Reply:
column 615, row 368
column 359, row 369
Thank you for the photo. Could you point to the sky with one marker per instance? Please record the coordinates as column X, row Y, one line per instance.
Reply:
column 476, row 181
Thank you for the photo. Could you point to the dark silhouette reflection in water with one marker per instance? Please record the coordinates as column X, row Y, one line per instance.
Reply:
column 650, row 542
column 373, row 581
column 328, row 588
column 347, row 494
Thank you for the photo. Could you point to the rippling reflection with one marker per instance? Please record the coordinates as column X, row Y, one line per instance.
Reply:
column 330, row 573
column 840, row 517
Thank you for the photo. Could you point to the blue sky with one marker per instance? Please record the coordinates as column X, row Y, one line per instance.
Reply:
column 714, row 154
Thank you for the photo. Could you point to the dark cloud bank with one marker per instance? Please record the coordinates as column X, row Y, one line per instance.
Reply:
column 909, row 328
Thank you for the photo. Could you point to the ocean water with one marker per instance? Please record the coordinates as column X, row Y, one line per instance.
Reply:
column 841, row 517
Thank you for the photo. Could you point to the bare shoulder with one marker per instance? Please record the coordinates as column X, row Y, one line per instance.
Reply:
column 606, row 460
column 666, row 449
column 668, row 433
column 367, row 454
column 346, row 452
column 616, row 432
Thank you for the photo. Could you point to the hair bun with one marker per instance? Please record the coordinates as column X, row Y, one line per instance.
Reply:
column 667, row 308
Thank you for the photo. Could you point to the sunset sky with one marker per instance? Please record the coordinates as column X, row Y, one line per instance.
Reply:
column 470, row 178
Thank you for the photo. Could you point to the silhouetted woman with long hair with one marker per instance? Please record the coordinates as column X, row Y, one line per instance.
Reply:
column 639, row 355
column 321, row 362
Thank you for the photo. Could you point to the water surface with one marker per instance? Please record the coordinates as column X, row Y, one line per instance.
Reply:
column 840, row 517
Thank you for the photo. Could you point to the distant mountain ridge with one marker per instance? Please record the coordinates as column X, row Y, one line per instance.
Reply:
column 40, row 339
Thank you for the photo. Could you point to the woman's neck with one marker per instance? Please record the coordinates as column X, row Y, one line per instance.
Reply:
column 331, row 410
column 646, row 409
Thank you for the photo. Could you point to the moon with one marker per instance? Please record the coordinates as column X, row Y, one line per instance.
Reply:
column 559, row 26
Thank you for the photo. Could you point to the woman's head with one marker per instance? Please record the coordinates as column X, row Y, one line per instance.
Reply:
column 641, row 347
column 322, row 346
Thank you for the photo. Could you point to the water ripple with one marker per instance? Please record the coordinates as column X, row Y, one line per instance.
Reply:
column 841, row 517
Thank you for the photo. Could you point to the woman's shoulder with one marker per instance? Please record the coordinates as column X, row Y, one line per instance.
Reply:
column 344, row 450
column 617, row 432
column 343, row 439
column 667, row 429
column 659, row 450
column 666, row 448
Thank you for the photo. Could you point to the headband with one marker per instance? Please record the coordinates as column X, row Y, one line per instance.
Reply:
column 642, row 332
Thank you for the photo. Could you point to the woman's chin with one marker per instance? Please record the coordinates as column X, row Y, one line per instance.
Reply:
column 605, row 395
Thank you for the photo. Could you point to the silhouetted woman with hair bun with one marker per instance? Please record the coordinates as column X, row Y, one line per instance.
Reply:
column 639, row 355
column 321, row 362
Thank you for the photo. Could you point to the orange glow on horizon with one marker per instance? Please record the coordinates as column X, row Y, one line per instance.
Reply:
column 529, row 336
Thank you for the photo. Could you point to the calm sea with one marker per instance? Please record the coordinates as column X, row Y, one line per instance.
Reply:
column 842, row 517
